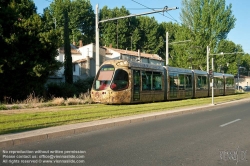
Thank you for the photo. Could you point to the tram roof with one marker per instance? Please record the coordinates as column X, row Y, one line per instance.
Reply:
column 178, row 70
column 218, row 74
column 228, row 75
column 201, row 72
column 141, row 65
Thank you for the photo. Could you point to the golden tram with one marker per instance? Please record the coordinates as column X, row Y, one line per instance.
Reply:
column 121, row 82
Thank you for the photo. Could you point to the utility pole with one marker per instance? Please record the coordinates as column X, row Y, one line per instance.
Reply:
column 117, row 18
column 167, row 49
column 97, row 56
column 222, row 53
column 117, row 34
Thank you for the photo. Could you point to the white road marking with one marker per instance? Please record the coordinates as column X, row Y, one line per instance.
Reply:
column 229, row 123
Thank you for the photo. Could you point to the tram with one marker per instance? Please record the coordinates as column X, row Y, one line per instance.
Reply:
column 124, row 82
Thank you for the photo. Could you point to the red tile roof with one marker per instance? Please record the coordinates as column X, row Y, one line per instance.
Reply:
column 133, row 53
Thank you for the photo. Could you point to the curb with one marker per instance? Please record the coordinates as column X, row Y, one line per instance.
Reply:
column 8, row 140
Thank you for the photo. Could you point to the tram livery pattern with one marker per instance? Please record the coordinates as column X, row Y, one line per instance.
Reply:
column 123, row 82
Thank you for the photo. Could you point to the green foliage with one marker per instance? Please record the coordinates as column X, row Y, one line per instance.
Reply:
column 66, row 90
column 135, row 33
column 150, row 39
column 81, row 19
column 116, row 32
column 83, row 85
column 29, row 50
column 209, row 22
column 229, row 63
column 3, row 107
column 68, row 72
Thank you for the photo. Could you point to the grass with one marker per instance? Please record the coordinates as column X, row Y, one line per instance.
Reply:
column 15, row 120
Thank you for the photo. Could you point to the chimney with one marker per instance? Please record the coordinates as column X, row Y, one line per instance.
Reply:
column 80, row 43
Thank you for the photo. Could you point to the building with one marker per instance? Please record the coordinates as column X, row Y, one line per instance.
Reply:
column 243, row 81
column 113, row 53
column 84, row 60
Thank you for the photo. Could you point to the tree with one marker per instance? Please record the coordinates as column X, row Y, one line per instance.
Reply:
column 67, row 51
column 81, row 19
column 209, row 22
column 118, row 32
column 246, row 64
column 149, row 32
column 29, row 50
column 135, row 33
column 228, row 63
column 176, row 51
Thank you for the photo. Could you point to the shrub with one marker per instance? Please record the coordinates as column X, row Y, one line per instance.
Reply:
column 3, row 107
column 73, row 101
column 85, row 97
column 33, row 99
column 58, row 101
column 66, row 90
column 15, row 107
column 83, row 85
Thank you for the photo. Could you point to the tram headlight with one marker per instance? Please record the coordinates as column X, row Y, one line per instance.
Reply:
column 122, row 63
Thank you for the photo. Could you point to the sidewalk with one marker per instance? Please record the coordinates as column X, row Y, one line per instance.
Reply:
column 7, row 140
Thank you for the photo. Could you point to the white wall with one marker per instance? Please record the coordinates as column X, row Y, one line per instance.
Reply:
column 87, row 50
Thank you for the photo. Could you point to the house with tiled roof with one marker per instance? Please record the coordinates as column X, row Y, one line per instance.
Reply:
column 83, row 62
column 113, row 53
column 84, row 59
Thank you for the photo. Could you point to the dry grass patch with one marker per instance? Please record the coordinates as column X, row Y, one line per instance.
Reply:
column 57, row 101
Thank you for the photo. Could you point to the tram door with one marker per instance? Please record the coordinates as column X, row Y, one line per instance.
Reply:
column 136, row 85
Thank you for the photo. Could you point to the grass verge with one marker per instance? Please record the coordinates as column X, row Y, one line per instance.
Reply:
column 12, row 121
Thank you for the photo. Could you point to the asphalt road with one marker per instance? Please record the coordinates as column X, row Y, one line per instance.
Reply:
column 213, row 137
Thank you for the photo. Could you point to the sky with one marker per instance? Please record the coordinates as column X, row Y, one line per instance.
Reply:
column 239, row 35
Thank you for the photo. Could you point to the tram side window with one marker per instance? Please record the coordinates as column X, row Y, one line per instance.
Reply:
column 188, row 79
column 146, row 80
column 120, row 80
column 229, row 83
column 181, row 81
column 215, row 83
column 173, row 81
column 218, row 83
column 201, row 82
column 157, row 81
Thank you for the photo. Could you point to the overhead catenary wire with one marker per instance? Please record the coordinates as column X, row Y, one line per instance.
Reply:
column 154, row 10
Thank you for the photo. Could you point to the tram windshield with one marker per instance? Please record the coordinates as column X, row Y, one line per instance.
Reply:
column 104, row 77
column 120, row 80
